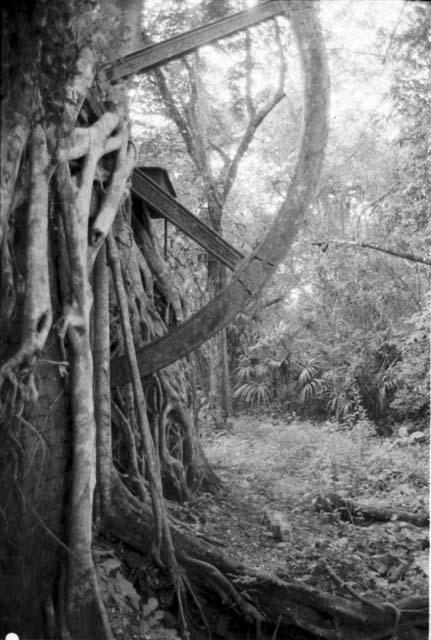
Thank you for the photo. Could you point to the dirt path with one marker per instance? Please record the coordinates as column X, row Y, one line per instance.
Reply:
column 266, row 465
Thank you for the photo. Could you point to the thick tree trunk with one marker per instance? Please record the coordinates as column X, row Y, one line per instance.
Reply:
column 34, row 506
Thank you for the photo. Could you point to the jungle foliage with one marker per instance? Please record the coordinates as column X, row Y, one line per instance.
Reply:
column 351, row 338
column 85, row 282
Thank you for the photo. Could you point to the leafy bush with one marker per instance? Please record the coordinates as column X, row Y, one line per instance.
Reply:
column 343, row 399
column 380, row 375
column 260, row 382
column 411, row 398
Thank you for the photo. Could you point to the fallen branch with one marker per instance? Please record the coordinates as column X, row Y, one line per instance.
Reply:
column 359, row 513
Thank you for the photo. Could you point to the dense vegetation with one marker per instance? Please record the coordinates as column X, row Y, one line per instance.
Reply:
column 343, row 331
column 104, row 426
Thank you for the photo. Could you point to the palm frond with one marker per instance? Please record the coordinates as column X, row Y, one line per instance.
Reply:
column 244, row 372
column 308, row 371
column 253, row 394
column 311, row 390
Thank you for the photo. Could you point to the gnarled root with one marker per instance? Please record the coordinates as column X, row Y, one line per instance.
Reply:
column 256, row 596
column 161, row 544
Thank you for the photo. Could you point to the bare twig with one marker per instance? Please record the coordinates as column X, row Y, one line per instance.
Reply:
column 392, row 36
column 366, row 245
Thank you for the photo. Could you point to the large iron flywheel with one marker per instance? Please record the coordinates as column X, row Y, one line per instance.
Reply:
column 253, row 271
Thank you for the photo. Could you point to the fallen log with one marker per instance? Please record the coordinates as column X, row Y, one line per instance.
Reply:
column 359, row 513
column 259, row 599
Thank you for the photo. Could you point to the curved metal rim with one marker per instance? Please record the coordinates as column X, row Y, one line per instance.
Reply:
column 255, row 270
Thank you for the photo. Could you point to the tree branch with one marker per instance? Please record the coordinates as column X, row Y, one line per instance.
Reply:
column 246, row 140
column 366, row 245
column 256, row 117
column 223, row 155
column 251, row 109
column 174, row 112
column 189, row 126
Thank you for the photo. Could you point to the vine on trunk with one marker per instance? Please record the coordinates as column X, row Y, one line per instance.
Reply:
column 66, row 196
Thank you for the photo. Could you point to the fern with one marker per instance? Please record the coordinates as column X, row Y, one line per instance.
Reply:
column 253, row 394
column 311, row 390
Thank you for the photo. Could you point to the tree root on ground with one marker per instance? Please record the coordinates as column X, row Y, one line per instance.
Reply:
column 253, row 595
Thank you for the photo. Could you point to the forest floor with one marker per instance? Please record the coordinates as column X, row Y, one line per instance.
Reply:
column 269, row 467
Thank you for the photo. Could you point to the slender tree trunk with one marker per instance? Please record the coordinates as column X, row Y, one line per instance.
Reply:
column 220, row 390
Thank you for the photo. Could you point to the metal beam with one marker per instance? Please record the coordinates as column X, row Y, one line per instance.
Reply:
column 179, row 46
column 168, row 207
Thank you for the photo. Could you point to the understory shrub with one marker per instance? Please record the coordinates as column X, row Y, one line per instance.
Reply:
column 385, row 381
column 411, row 398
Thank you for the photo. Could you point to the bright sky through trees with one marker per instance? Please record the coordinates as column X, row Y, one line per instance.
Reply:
column 360, row 36
column 355, row 41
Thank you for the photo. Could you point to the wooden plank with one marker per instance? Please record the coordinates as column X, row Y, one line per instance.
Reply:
column 179, row 46
column 168, row 207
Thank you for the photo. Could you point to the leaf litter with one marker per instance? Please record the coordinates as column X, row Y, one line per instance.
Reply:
column 272, row 473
